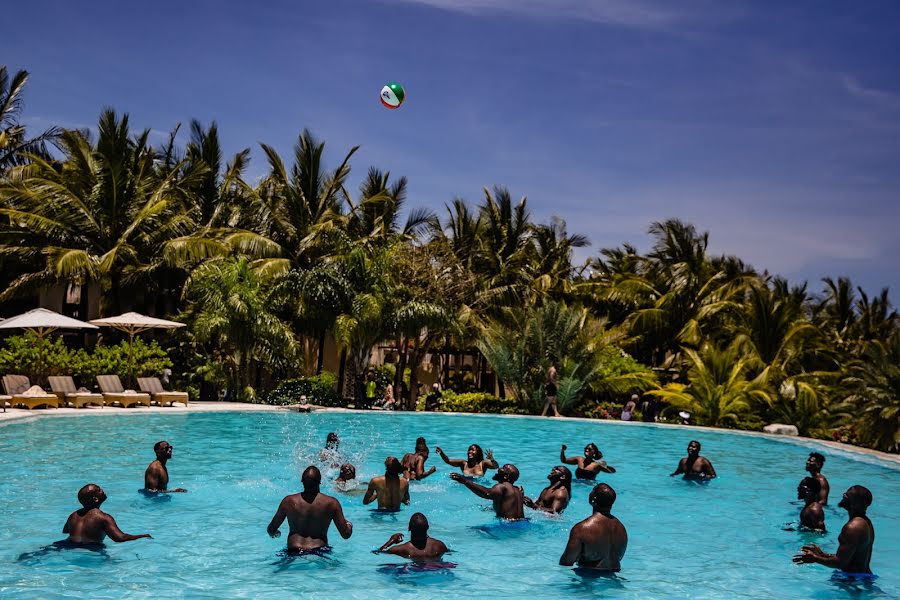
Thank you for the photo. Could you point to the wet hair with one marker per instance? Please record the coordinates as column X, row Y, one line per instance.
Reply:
column 311, row 478
column 479, row 453
column 87, row 493
column 695, row 442
column 820, row 459
column 350, row 468
column 602, row 495
column 332, row 440
column 812, row 484
column 861, row 495
column 595, row 450
column 421, row 444
column 418, row 522
column 159, row 444
column 568, row 479
column 513, row 472
column 393, row 466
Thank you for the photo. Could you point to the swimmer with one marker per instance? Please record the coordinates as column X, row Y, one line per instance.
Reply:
column 389, row 489
column 420, row 546
column 330, row 454
column 588, row 465
column 414, row 462
column 89, row 525
column 855, row 541
column 346, row 480
column 814, row 465
column 156, row 477
column 695, row 466
column 598, row 542
column 508, row 499
column 309, row 515
column 555, row 497
column 475, row 463
column 812, row 516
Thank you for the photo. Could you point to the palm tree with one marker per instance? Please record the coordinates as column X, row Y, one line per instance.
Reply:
column 874, row 383
column 376, row 217
column 15, row 145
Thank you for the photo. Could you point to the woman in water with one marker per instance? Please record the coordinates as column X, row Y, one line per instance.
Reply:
column 475, row 465
column 588, row 465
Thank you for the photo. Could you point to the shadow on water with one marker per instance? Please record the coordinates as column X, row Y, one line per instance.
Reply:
column 503, row 529
column 856, row 586
column 155, row 496
column 383, row 516
column 92, row 552
column 418, row 573
column 593, row 581
column 305, row 559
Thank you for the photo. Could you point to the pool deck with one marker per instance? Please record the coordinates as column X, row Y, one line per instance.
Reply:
column 19, row 414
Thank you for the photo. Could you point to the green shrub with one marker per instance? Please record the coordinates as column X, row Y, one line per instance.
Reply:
column 320, row 389
column 149, row 360
column 478, row 402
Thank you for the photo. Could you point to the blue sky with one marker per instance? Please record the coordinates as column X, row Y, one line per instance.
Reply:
column 774, row 126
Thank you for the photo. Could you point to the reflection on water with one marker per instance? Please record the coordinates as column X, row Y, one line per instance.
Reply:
column 592, row 581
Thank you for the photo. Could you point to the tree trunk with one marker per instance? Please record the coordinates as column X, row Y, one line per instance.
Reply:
column 342, row 371
column 320, row 359
column 401, row 367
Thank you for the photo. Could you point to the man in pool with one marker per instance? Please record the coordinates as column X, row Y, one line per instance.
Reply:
column 814, row 465
column 508, row 499
column 555, row 497
column 855, row 541
column 589, row 465
column 88, row 526
column 346, row 480
column 389, row 489
column 695, row 466
column 598, row 542
column 813, row 515
column 309, row 515
column 414, row 462
column 156, row 477
column 420, row 546
column 331, row 454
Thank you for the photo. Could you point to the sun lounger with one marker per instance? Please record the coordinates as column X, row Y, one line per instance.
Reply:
column 113, row 391
column 27, row 395
column 64, row 388
column 153, row 386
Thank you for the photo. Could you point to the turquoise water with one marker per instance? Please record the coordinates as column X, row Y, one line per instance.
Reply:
column 693, row 541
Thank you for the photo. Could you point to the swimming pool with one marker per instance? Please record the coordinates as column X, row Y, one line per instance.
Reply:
column 686, row 540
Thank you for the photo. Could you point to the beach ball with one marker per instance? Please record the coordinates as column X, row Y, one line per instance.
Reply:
column 393, row 95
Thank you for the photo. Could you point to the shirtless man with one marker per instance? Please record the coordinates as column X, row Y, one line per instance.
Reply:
column 309, row 515
column 88, row 526
column 508, row 499
column 420, row 546
column 414, row 462
column 475, row 463
column 855, row 541
column 813, row 515
column 555, row 497
column 156, row 477
column 389, row 489
column 695, row 466
column 588, row 465
column 814, row 465
column 599, row 541
column 346, row 480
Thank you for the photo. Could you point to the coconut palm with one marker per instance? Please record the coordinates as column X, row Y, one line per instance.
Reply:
column 15, row 145
column 874, row 384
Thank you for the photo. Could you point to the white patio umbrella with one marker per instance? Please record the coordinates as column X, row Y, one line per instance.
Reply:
column 43, row 322
column 134, row 323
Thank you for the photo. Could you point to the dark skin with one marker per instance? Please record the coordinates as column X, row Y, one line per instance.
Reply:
column 414, row 465
column 587, row 466
column 554, row 498
column 812, row 466
column 471, row 466
column 695, row 466
column 812, row 516
column 309, row 514
column 89, row 525
column 389, row 489
column 156, row 477
column 419, row 547
column 854, row 543
column 598, row 542
column 508, row 499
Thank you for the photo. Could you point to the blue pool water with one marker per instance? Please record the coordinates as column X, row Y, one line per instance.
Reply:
column 722, row 540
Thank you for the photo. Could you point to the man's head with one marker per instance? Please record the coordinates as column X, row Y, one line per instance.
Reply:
column 693, row 448
column 392, row 466
column 311, row 479
column 815, row 462
column 475, row 453
column 808, row 489
column 163, row 450
column 602, row 497
column 348, row 472
column 561, row 474
column 507, row 474
column 91, row 496
column 592, row 451
column 418, row 525
column 332, row 441
column 856, row 499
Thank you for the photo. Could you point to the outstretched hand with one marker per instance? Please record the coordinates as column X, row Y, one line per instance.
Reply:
column 438, row 450
column 489, row 454
column 563, row 448
column 396, row 538
column 456, row 477
column 275, row 534
column 805, row 557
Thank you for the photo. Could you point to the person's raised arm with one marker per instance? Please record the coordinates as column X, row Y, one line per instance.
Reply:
column 277, row 520
column 455, row 462
column 680, row 468
column 562, row 456
column 371, row 493
column 421, row 473
column 573, row 549
column 851, row 538
column 478, row 490
column 117, row 535
column 344, row 527
column 425, row 474
column 393, row 540
column 490, row 462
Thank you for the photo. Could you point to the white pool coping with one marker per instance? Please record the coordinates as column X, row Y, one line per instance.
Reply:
column 18, row 415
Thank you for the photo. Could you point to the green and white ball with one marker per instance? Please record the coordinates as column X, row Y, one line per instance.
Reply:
column 393, row 95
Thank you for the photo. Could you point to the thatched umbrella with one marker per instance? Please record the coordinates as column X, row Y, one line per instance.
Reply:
column 134, row 323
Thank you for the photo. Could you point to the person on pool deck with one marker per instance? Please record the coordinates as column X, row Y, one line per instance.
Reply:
column 508, row 499
column 695, row 466
column 156, row 477
column 389, row 489
column 89, row 525
column 420, row 546
column 475, row 464
column 555, row 497
column 814, row 465
column 598, row 542
column 309, row 515
column 414, row 462
column 551, row 389
column 588, row 465
column 628, row 410
column 812, row 516
column 855, row 541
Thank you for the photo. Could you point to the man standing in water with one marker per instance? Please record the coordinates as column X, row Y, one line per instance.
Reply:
column 589, row 465
column 598, row 542
column 555, row 497
column 855, row 541
column 414, row 462
column 389, row 489
column 813, row 515
column 156, row 477
column 89, row 525
column 420, row 546
column 814, row 465
column 508, row 499
column 309, row 515
column 695, row 466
